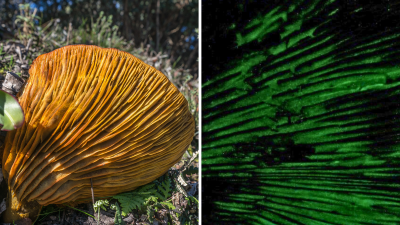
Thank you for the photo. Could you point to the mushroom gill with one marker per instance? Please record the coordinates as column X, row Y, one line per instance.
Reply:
column 93, row 113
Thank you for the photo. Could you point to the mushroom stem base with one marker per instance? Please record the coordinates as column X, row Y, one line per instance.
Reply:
column 17, row 210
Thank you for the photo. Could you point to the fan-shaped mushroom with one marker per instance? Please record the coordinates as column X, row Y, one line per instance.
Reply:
column 92, row 113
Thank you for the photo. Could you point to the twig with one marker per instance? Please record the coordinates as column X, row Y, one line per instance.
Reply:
column 91, row 184
column 34, row 13
column 91, row 188
column 18, row 50
column 194, row 155
column 175, row 30
column 27, row 48
column 54, row 42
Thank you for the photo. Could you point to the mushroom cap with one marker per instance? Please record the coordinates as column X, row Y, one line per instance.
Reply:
column 95, row 113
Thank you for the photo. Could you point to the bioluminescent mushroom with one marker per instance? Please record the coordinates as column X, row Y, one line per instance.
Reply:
column 301, row 112
column 92, row 113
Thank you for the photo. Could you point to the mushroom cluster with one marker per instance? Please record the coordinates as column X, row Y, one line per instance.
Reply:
column 92, row 113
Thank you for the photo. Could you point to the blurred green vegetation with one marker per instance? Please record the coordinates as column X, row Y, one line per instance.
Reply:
column 167, row 26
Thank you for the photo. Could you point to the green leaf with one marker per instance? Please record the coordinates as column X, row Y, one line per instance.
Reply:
column 144, row 195
column 11, row 114
column 100, row 204
column 168, row 204
column 118, row 217
column 163, row 187
column 151, row 199
column 191, row 199
column 136, row 198
column 150, row 214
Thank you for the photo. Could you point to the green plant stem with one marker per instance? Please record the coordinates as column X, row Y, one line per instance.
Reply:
column 81, row 211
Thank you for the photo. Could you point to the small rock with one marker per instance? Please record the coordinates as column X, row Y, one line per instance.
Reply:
column 13, row 83
column 53, row 217
column 29, row 44
column 129, row 219
column 193, row 189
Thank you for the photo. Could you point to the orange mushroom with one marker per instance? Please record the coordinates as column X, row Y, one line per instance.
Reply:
column 93, row 113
